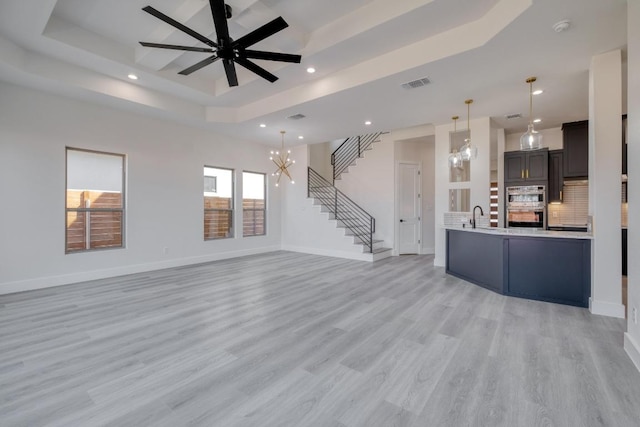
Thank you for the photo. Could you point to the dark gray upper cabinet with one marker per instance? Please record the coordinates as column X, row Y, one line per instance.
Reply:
column 554, row 192
column 523, row 166
column 575, row 141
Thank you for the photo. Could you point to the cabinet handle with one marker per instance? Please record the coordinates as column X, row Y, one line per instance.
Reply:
column 560, row 195
column 527, row 173
column 522, row 173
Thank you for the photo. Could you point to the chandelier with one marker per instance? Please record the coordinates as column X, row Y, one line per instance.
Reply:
column 282, row 161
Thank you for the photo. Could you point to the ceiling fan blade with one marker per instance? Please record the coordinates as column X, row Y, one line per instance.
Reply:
column 199, row 65
column 256, row 69
column 230, row 70
column 176, row 47
column 261, row 33
column 150, row 10
column 220, row 19
column 272, row 56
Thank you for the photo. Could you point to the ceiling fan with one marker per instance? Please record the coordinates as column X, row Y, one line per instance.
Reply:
column 225, row 48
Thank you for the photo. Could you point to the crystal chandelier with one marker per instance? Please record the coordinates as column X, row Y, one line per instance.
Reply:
column 468, row 151
column 532, row 139
column 282, row 161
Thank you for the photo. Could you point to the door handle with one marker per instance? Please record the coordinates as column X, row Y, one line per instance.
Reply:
column 402, row 220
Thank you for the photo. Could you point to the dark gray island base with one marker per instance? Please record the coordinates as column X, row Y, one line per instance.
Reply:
column 549, row 267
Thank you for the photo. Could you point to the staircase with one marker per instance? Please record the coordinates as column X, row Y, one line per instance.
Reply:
column 348, row 215
column 351, row 150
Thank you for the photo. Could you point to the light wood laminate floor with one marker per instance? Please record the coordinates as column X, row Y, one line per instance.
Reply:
column 287, row 339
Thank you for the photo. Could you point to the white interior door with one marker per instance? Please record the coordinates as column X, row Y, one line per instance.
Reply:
column 409, row 228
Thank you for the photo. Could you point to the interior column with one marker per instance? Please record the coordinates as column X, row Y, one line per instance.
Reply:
column 605, row 169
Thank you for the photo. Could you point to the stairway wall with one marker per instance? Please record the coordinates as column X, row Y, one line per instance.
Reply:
column 304, row 229
column 370, row 183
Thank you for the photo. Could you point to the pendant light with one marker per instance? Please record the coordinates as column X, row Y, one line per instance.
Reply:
column 455, row 158
column 282, row 161
column 468, row 151
column 532, row 139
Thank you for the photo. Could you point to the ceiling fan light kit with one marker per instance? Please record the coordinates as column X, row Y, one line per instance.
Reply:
column 230, row 51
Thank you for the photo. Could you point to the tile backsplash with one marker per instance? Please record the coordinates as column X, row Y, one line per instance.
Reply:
column 456, row 219
column 574, row 208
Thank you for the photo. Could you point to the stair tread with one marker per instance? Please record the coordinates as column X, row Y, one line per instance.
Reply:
column 380, row 250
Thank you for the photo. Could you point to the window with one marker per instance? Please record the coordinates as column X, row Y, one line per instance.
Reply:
column 94, row 200
column 253, row 204
column 218, row 203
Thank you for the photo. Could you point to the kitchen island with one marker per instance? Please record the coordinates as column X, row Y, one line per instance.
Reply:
column 552, row 266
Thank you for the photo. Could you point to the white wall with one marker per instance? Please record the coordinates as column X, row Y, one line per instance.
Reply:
column 422, row 150
column 551, row 139
column 320, row 159
column 164, row 190
column 632, row 337
column 605, row 160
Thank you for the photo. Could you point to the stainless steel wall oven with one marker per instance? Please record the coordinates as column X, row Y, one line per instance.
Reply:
column 526, row 206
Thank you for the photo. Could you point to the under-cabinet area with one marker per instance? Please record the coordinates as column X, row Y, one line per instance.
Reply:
column 543, row 265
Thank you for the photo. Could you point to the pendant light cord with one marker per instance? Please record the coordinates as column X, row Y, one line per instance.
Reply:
column 468, row 102
column 530, row 80
column 530, row 103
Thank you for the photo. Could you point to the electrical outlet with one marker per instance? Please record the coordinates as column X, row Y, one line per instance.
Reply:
column 555, row 214
column 635, row 316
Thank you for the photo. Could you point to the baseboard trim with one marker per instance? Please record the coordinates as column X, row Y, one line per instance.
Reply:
column 67, row 279
column 633, row 349
column 427, row 251
column 327, row 252
column 604, row 308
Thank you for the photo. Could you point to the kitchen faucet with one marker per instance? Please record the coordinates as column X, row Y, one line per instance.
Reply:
column 473, row 221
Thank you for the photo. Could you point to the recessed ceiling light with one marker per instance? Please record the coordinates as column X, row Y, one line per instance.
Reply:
column 537, row 92
column 537, row 120
column 311, row 70
column 133, row 76
column 262, row 125
column 368, row 122
column 301, row 137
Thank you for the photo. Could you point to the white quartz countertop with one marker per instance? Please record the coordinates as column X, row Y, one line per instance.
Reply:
column 524, row 232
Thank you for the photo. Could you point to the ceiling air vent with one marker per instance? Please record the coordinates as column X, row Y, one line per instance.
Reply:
column 416, row 83
column 513, row 116
column 297, row 116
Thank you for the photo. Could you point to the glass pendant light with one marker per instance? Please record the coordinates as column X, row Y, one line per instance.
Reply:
column 468, row 151
column 455, row 158
column 532, row 139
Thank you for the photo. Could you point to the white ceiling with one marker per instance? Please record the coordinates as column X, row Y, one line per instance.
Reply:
column 363, row 51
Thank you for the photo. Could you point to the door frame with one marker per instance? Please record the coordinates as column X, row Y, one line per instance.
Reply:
column 396, row 208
